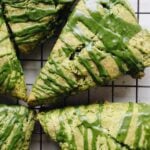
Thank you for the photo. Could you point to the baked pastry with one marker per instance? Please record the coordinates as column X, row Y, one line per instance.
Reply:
column 100, row 42
column 11, row 74
column 121, row 126
column 33, row 20
column 28, row 22
column 17, row 123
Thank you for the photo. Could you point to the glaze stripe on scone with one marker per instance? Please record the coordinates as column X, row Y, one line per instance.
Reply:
column 32, row 20
column 11, row 75
column 101, row 41
column 16, row 126
column 117, row 126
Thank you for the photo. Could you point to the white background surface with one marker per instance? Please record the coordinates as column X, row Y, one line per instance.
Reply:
column 125, row 88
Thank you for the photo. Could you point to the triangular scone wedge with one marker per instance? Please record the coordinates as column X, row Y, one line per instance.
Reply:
column 12, row 81
column 17, row 124
column 33, row 20
column 120, row 126
column 100, row 42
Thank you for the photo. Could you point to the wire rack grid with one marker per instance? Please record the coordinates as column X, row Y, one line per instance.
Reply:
column 122, row 90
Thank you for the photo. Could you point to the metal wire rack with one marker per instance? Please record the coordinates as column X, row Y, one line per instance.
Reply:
column 124, row 89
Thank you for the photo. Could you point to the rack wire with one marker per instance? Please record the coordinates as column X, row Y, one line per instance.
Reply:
column 34, row 62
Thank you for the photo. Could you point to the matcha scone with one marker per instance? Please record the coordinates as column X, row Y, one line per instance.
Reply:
column 33, row 20
column 100, row 42
column 117, row 126
column 12, row 81
column 16, row 126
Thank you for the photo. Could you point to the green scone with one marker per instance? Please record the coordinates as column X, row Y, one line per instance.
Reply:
column 11, row 75
column 118, row 126
column 33, row 20
column 16, row 126
column 100, row 42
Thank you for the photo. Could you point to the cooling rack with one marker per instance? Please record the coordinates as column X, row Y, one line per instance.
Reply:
column 122, row 90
